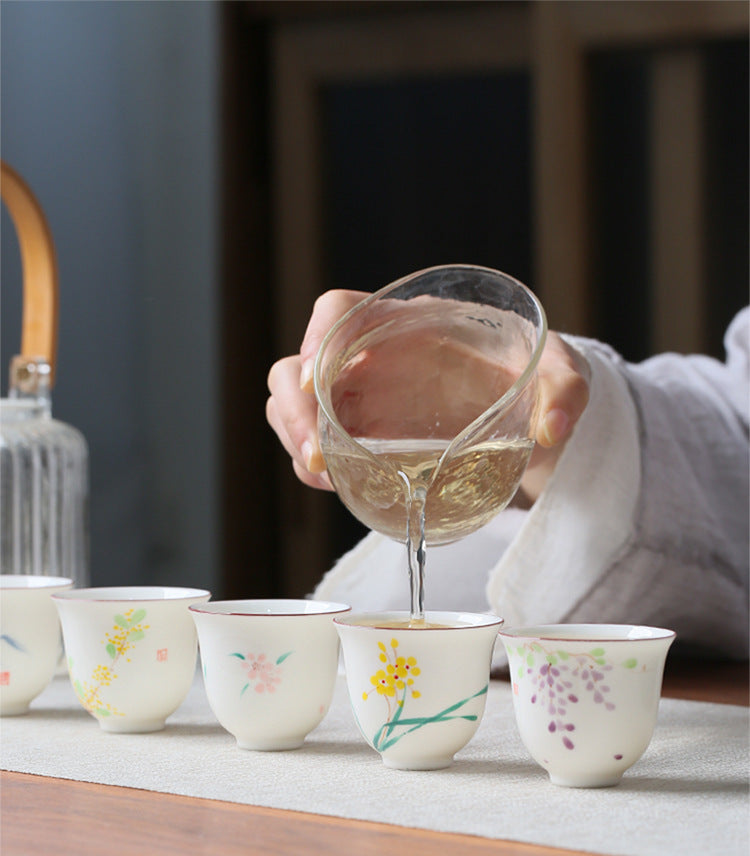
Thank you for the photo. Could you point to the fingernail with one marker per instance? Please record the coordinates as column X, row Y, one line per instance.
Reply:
column 555, row 426
column 305, row 375
column 307, row 454
column 313, row 458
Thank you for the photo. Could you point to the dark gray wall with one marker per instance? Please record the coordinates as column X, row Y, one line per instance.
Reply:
column 109, row 111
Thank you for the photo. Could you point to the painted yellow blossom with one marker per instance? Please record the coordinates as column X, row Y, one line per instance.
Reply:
column 90, row 698
column 396, row 678
column 404, row 670
column 384, row 683
column 127, row 630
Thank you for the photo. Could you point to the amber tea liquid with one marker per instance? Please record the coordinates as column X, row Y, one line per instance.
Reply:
column 406, row 624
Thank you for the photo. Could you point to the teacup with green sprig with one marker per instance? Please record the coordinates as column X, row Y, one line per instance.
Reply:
column 131, row 652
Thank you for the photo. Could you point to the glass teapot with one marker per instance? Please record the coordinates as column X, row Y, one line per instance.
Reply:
column 43, row 462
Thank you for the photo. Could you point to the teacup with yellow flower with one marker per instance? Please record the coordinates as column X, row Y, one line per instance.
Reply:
column 418, row 688
column 131, row 651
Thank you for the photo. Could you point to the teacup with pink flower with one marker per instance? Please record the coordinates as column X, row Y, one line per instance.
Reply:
column 269, row 667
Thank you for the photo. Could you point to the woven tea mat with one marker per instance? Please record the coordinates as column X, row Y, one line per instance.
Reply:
column 687, row 795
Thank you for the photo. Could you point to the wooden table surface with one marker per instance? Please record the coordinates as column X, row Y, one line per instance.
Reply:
column 40, row 816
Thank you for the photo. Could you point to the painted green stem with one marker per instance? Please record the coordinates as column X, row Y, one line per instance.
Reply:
column 419, row 722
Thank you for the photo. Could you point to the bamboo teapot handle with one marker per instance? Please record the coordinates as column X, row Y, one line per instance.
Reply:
column 39, row 262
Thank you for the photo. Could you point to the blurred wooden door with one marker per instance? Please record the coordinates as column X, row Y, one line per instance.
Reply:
column 283, row 62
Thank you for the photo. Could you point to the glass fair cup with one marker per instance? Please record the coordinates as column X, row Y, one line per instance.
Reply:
column 131, row 652
column 586, row 696
column 418, row 691
column 269, row 667
column 427, row 399
column 30, row 641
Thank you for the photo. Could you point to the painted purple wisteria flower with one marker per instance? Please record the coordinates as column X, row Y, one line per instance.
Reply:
column 560, row 679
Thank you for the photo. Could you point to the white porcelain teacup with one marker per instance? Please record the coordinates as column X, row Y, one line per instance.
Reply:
column 418, row 691
column 269, row 667
column 30, row 641
column 586, row 696
column 131, row 652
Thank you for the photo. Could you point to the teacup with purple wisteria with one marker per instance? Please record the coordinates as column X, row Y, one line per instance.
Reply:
column 269, row 667
column 30, row 640
column 586, row 696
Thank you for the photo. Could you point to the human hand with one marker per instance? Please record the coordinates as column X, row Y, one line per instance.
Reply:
column 563, row 378
column 292, row 408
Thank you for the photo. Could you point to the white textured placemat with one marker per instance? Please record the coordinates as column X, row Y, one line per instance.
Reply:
column 687, row 795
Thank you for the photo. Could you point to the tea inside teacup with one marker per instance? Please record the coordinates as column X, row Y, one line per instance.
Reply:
column 405, row 624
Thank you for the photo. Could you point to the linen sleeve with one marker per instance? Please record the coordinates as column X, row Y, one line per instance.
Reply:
column 645, row 519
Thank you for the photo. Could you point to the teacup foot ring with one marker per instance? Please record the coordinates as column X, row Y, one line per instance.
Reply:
column 272, row 745
column 15, row 709
column 586, row 781
column 425, row 764
column 115, row 725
